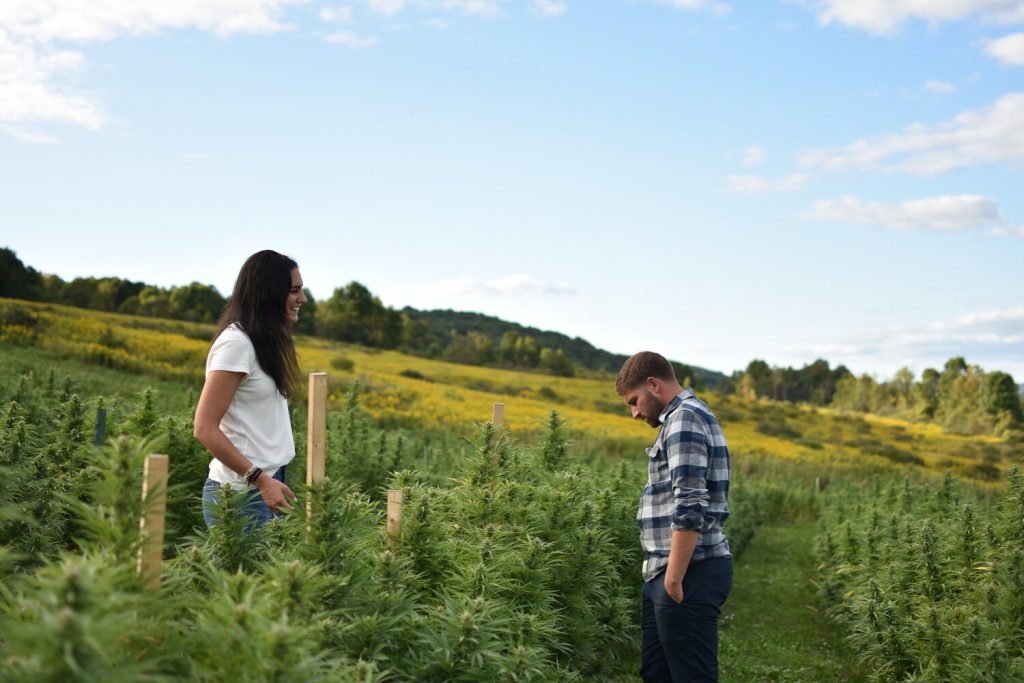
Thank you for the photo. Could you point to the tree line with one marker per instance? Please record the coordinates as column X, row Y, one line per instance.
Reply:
column 962, row 397
column 195, row 302
column 351, row 314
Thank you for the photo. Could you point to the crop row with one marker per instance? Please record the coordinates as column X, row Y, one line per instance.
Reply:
column 515, row 563
column 928, row 580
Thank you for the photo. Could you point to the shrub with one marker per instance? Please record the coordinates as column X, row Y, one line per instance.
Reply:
column 343, row 363
column 548, row 393
column 17, row 335
column 414, row 374
column 984, row 471
column 777, row 428
column 898, row 455
column 16, row 314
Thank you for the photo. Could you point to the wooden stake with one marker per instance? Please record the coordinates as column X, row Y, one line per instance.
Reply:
column 496, row 417
column 151, row 525
column 316, row 435
column 394, row 516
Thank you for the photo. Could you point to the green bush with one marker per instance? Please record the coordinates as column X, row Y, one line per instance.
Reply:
column 778, row 428
column 343, row 363
column 414, row 374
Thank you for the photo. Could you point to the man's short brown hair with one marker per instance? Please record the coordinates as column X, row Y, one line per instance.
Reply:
column 639, row 367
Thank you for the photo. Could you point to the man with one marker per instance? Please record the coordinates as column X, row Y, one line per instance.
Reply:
column 687, row 564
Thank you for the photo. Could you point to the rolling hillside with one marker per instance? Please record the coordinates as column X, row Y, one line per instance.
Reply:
column 405, row 390
column 578, row 350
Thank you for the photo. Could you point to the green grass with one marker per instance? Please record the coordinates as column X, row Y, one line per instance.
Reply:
column 770, row 629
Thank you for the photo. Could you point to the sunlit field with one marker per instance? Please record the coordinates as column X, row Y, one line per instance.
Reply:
column 404, row 390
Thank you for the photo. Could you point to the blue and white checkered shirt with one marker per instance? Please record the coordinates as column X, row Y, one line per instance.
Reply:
column 687, row 486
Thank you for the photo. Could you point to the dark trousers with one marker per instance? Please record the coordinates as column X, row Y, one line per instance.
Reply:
column 681, row 639
column 254, row 508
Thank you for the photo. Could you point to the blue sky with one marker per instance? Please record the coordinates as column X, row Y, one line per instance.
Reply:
column 719, row 182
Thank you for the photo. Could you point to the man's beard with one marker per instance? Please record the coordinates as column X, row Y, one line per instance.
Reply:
column 652, row 420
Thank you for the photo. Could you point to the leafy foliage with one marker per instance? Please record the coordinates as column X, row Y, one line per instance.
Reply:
column 928, row 579
column 515, row 563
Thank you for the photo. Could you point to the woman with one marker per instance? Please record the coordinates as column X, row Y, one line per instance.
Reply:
column 242, row 417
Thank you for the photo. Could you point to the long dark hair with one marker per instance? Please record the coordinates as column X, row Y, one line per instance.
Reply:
column 257, row 304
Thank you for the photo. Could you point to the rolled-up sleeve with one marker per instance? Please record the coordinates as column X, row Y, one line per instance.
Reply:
column 686, row 448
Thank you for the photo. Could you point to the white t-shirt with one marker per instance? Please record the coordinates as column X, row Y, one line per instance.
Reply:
column 257, row 420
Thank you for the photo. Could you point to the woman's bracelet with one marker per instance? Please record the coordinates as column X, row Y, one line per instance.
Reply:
column 252, row 475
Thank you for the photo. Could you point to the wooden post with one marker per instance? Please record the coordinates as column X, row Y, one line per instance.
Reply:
column 101, row 426
column 496, row 417
column 316, row 435
column 394, row 516
column 817, row 485
column 151, row 525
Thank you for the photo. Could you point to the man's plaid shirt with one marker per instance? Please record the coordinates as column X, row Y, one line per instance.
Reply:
column 687, row 486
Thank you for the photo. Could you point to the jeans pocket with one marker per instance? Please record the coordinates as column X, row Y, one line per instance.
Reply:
column 668, row 599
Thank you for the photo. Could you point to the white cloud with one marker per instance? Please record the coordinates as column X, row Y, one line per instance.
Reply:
column 342, row 14
column 748, row 184
column 1009, row 315
column 349, row 39
column 27, row 93
column 30, row 136
column 1008, row 49
column 196, row 156
column 32, row 61
column 882, row 17
column 1007, row 231
column 483, row 7
column 754, row 155
column 509, row 285
column 943, row 214
column 719, row 8
column 939, row 87
column 388, row 8
column 988, row 135
column 46, row 21
column 993, row 338
column 548, row 8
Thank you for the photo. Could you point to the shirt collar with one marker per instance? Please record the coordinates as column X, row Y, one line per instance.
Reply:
column 674, row 403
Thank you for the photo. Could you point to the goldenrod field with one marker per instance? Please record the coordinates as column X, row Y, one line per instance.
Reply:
column 433, row 394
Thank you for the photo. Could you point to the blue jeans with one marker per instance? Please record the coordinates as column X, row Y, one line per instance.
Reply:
column 681, row 639
column 254, row 505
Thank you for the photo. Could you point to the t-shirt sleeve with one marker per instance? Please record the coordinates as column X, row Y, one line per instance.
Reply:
column 232, row 351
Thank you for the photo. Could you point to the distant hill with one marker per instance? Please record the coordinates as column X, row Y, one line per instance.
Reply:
column 352, row 314
column 578, row 350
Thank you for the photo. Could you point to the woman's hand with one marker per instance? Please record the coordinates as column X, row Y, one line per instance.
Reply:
column 275, row 494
